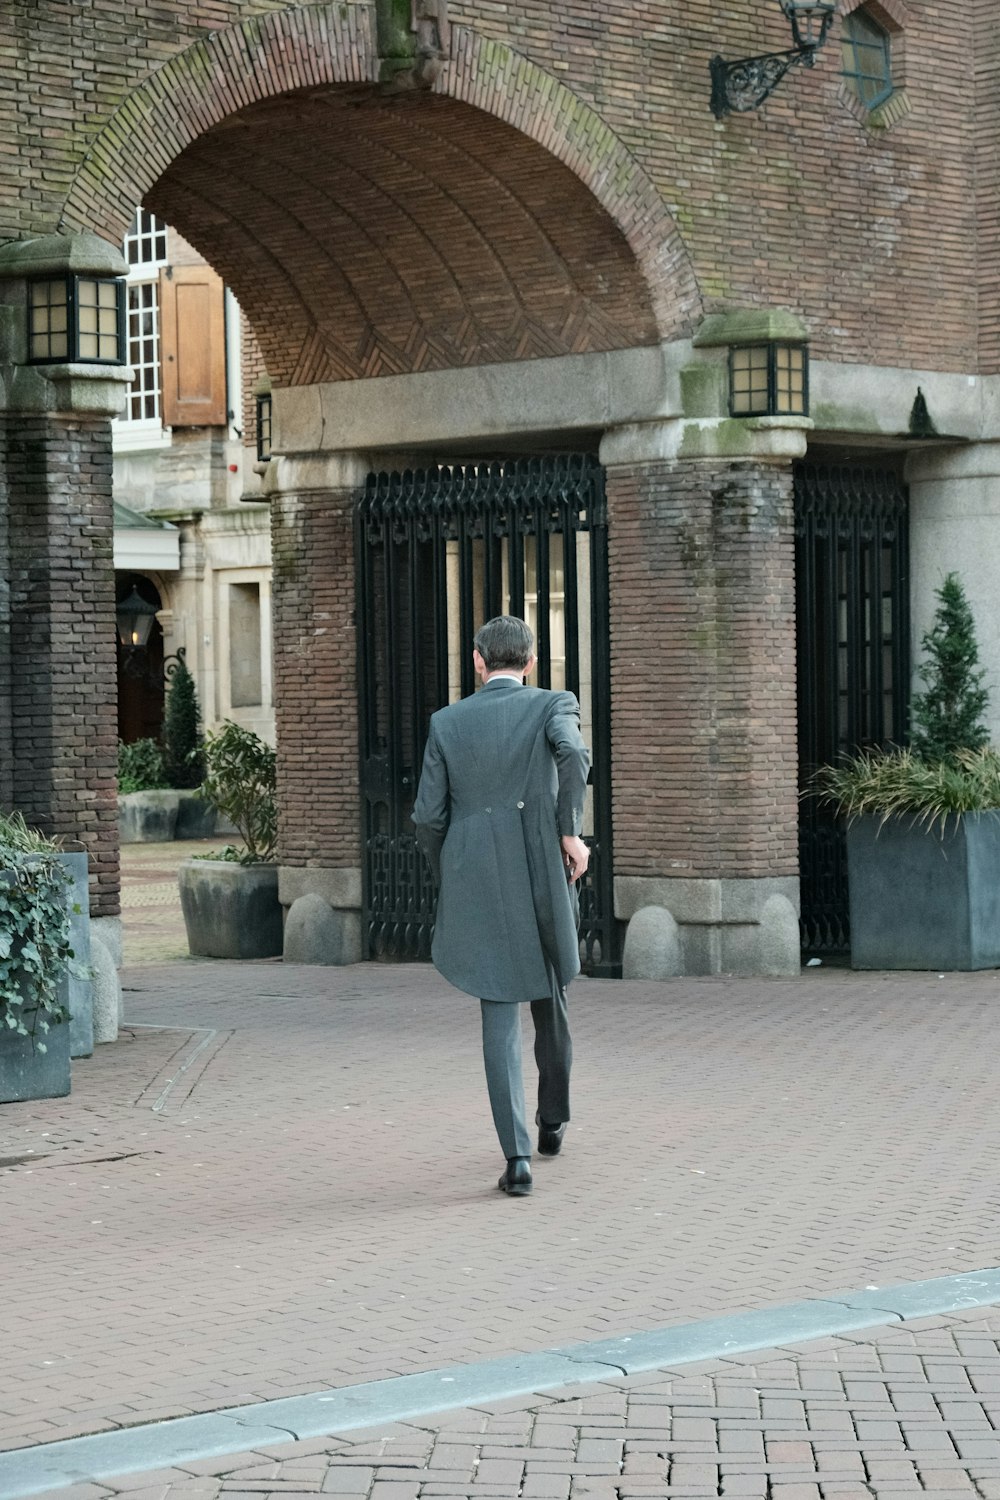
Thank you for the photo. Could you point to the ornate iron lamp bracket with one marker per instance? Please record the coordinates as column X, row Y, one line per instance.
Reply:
column 746, row 82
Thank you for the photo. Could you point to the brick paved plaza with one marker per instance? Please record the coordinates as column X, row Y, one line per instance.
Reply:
column 281, row 1180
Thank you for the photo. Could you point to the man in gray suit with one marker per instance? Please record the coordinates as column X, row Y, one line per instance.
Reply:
column 498, row 815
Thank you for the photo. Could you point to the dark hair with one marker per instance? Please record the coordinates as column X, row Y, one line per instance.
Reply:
column 504, row 642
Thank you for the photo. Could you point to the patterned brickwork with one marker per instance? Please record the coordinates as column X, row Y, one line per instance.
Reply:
column 908, row 1409
column 315, row 672
column 433, row 237
column 307, row 1196
column 62, row 690
column 702, row 670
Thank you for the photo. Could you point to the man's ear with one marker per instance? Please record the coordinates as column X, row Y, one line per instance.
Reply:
column 529, row 665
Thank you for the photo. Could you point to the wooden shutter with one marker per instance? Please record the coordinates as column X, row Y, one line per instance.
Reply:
column 193, row 347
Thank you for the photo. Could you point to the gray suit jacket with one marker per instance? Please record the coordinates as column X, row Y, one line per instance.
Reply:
column 504, row 776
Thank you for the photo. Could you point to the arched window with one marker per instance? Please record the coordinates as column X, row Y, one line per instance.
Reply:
column 866, row 60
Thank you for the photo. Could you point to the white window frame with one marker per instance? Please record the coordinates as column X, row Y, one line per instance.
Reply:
column 134, row 433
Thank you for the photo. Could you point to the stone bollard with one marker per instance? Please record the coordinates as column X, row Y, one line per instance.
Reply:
column 652, row 946
column 317, row 934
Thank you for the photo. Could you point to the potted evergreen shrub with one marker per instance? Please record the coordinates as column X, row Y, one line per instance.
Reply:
column 230, row 900
column 923, row 837
column 35, row 961
column 159, row 796
column 184, row 754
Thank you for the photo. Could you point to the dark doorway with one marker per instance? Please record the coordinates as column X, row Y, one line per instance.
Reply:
column 440, row 550
column 853, row 644
column 140, row 673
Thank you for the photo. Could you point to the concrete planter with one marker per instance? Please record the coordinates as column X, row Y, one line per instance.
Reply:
column 195, row 819
column 148, row 817
column 230, row 910
column 922, row 901
column 26, row 1073
column 158, row 817
column 79, row 992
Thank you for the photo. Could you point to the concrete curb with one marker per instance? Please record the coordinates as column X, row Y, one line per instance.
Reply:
column 32, row 1471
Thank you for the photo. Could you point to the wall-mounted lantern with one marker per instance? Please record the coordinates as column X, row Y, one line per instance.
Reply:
column 746, row 82
column 769, row 380
column 76, row 320
column 134, row 618
column 766, row 352
column 263, row 400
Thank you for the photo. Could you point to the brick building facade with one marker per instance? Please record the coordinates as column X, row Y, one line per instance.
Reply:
column 466, row 230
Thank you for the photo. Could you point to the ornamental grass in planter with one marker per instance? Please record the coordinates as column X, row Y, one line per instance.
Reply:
column 923, row 824
column 35, row 959
column 230, row 899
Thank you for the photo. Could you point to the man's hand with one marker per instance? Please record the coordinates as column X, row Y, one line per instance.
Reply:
column 576, row 856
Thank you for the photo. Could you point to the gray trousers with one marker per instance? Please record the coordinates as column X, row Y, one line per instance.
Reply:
column 504, row 1072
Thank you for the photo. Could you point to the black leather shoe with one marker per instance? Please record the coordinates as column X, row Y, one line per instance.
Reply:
column 517, row 1178
column 550, row 1137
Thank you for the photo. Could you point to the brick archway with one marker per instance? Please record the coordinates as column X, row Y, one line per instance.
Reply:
column 548, row 236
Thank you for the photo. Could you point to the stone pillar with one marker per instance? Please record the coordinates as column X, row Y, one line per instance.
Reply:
column 955, row 528
column 703, row 688
column 316, row 693
column 58, row 691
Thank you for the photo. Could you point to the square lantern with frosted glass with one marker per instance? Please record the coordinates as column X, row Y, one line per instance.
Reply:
column 76, row 320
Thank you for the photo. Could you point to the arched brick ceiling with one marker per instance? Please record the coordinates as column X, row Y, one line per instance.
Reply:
column 366, row 235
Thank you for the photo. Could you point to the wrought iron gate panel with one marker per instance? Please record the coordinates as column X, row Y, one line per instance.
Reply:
column 853, row 626
column 439, row 550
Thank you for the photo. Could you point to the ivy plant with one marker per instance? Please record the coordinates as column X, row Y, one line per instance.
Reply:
column 35, row 951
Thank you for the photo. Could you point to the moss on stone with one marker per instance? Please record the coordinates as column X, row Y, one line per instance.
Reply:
column 840, row 418
column 703, row 390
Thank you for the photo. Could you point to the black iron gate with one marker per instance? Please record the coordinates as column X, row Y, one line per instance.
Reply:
column 440, row 550
column 852, row 609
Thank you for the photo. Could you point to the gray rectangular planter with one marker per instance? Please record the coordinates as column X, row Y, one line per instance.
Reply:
column 79, row 991
column 26, row 1073
column 920, row 900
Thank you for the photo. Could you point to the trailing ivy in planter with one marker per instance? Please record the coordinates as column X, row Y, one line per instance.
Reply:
column 35, row 957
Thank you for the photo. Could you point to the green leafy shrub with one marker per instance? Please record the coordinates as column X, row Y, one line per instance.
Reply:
column 900, row 784
column 947, row 718
column 35, row 951
column 140, row 767
column 184, row 751
column 240, row 783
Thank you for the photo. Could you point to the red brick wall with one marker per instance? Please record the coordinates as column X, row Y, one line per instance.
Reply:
column 252, row 368
column 986, row 65
column 315, row 671
column 62, row 689
column 871, row 234
column 702, row 669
